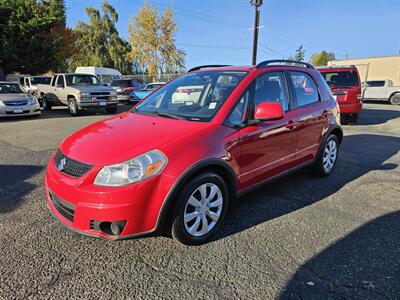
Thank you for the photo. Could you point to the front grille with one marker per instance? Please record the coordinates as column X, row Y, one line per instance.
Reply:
column 15, row 102
column 64, row 208
column 70, row 166
column 105, row 94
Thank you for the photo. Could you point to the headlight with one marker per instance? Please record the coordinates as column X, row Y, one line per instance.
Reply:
column 85, row 94
column 32, row 100
column 133, row 170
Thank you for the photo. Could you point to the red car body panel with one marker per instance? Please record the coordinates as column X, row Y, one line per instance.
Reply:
column 252, row 154
column 349, row 97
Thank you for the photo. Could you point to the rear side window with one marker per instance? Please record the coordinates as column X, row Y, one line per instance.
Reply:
column 341, row 79
column 378, row 83
column 271, row 87
column 305, row 88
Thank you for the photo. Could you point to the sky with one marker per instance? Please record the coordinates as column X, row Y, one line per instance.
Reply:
column 220, row 31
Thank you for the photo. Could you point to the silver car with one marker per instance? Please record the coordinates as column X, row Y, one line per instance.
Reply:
column 15, row 102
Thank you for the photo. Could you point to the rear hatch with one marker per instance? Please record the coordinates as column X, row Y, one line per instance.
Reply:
column 344, row 84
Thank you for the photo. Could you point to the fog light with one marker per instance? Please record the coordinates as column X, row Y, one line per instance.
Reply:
column 112, row 228
column 115, row 229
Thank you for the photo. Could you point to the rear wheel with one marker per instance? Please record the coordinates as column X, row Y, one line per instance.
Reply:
column 45, row 103
column 73, row 107
column 202, row 206
column 327, row 157
column 111, row 109
column 395, row 99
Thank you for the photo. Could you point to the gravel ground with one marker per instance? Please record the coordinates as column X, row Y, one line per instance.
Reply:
column 299, row 237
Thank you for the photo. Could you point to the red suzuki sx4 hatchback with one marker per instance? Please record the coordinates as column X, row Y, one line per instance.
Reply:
column 176, row 161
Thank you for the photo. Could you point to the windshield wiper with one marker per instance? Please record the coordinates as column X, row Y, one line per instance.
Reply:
column 171, row 116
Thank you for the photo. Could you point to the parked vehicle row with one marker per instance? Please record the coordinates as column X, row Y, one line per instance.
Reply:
column 175, row 163
column 142, row 93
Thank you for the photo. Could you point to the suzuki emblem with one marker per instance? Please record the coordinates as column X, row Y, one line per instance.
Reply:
column 62, row 164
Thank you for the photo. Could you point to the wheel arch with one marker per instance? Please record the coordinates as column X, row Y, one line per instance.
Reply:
column 215, row 165
column 392, row 94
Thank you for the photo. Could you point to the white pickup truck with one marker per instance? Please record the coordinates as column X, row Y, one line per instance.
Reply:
column 382, row 90
column 78, row 92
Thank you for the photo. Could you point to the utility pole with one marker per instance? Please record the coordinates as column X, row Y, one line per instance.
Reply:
column 257, row 4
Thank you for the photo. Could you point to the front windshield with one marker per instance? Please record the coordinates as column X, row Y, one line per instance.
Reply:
column 341, row 79
column 10, row 88
column 195, row 96
column 81, row 79
column 40, row 80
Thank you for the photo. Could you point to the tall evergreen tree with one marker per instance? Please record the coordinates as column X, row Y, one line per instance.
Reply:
column 98, row 43
column 32, row 35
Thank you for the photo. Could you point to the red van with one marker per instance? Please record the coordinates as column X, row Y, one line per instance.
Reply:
column 345, row 86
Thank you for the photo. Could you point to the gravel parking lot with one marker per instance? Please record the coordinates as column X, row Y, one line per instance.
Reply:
column 299, row 237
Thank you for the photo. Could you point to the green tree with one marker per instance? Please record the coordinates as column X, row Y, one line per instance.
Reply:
column 299, row 54
column 322, row 58
column 152, row 39
column 32, row 35
column 98, row 43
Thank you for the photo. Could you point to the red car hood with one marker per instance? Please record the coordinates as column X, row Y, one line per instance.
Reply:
column 123, row 137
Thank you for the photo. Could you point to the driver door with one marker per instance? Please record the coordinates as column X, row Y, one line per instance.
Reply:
column 267, row 148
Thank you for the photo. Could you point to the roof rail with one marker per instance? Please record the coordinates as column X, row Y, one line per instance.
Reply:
column 207, row 66
column 283, row 61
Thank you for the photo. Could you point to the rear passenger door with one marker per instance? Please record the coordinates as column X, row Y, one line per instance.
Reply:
column 312, row 113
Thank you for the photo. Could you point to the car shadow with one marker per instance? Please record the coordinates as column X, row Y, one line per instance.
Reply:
column 377, row 116
column 359, row 154
column 14, row 185
column 363, row 265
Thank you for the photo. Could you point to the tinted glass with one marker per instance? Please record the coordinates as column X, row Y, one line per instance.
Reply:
column 195, row 96
column 10, row 88
column 305, row 88
column 60, row 80
column 40, row 80
column 341, row 79
column 271, row 87
column 238, row 115
column 81, row 79
column 379, row 83
column 121, row 83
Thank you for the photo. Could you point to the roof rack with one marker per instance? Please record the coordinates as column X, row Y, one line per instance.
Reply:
column 207, row 66
column 283, row 61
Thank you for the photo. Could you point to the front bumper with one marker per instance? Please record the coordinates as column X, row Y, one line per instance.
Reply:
column 352, row 108
column 23, row 110
column 89, row 104
column 81, row 204
column 123, row 97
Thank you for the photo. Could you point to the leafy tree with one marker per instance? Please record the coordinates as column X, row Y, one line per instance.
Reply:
column 98, row 43
column 152, row 38
column 322, row 58
column 32, row 35
column 299, row 54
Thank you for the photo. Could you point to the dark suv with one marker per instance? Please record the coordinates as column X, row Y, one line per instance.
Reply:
column 178, row 158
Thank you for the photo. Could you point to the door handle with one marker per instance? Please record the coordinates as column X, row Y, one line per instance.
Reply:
column 291, row 125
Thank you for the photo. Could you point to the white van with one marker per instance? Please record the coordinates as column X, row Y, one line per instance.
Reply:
column 105, row 75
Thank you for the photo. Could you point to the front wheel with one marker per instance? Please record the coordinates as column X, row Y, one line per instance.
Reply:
column 327, row 157
column 73, row 107
column 202, row 205
column 46, row 105
column 395, row 99
column 111, row 109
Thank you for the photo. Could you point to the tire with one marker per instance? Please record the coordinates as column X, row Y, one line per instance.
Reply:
column 326, row 160
column 395, row 99
column 192, row 202
column 344, row 119
column 352, row 119
column 46, row 105
column 73, row 107
column 111, row 109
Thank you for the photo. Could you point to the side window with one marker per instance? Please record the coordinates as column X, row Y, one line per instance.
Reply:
column 60, row 80
column 271, row 87
column 238, row 115
column 305, row 88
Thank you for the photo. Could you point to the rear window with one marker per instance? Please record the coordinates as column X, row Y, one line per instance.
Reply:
column 341, row 79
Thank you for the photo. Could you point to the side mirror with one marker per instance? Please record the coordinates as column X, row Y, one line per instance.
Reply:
column 267, row 111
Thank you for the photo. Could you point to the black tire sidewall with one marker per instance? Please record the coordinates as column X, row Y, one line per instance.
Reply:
column 319, row 164
column 178, row 228
column 45, row 103
column 111, row 109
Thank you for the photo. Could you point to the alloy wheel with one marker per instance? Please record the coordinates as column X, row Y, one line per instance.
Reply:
column 203, row 209
column 329, row 157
